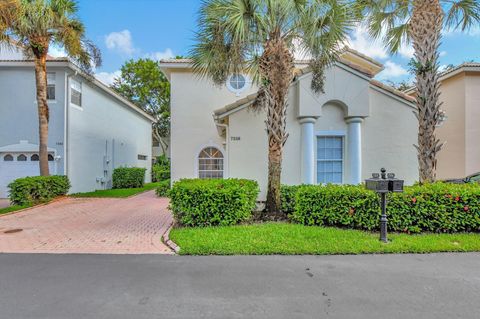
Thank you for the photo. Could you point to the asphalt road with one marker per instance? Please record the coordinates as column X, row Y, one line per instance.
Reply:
column 147, row 286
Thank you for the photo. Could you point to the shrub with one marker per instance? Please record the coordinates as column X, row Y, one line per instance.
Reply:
column 287, row 195
column 435, row 207
column 161, row 169
column 163, row 188
column 128, row 177
column 37, row 189
column 212, row 202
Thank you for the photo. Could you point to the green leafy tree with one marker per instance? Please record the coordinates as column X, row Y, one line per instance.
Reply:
column 421, row 22
column 143, row 83
column 260, row 37
column 35, row 25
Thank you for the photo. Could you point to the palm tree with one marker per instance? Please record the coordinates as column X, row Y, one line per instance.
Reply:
column 421, row 22
column 34, row 25
column 260, row 37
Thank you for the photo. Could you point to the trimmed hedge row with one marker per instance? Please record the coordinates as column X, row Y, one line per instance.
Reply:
column 163, row 188
column 437, row 207
column 213, row 202
column 37, row 189
column 128, row 177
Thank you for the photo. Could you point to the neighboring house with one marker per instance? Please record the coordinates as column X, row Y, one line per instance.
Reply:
column 92, row 129
column 357, row 127
column 459, row 128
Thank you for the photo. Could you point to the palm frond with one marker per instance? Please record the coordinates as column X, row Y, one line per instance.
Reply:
column 461, row 14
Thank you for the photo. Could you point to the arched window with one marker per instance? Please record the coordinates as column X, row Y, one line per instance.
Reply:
column 8, row 158
column 35, row 158
column 50, row 158
column 210, row 163
column 21, row 158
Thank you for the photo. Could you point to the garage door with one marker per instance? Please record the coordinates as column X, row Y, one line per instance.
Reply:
column 17, row 165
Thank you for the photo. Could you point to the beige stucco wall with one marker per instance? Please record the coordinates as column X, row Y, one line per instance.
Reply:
column 389, row 134
column 389, row 127
column 451, row 162
column 472, row 123
column 193, row 101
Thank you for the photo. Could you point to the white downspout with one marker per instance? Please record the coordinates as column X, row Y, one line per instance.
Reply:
column 227, row 147
column 66, row 121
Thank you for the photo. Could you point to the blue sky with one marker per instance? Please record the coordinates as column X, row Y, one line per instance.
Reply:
column 126, row 29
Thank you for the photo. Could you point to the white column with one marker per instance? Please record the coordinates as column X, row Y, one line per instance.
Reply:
column 308, row 150
column 354, row 149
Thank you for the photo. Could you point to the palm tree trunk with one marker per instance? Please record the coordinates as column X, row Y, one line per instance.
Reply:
column 425, row 29
column 43, row 112
column 276, row 67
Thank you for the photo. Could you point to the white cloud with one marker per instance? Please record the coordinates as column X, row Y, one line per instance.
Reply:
column 406, row 50
column 108, row 78
column 392, row 70
column 442, row 67
column 361, row 41
column 167, row 54
column 56, row 51
column 120, row 41
column 443, row 53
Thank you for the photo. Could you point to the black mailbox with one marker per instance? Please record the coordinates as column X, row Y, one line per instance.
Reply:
column 382, row 184
column 394, row 185
column 378, row 185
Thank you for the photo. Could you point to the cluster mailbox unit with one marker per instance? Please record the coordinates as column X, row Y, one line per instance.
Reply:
column 382, row 184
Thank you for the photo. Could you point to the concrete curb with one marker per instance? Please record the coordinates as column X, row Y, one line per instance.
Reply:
column 166, row 239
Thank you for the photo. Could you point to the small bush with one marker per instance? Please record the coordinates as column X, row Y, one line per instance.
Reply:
column 163, row 188
column 34, row 190
column 438, row 207
column 287, row 195
column 128, row 177
column 161, row 169
column 212, row 202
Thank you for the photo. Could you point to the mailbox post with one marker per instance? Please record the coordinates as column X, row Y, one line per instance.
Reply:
column 384, row 183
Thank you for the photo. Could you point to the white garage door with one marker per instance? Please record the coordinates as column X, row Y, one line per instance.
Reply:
column 17, row 165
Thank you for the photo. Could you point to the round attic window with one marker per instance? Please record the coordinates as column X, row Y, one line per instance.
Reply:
column 237, row 83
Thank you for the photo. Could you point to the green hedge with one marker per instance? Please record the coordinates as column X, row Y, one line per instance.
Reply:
column 438, row 207
column 161, row 169
column 163, row 188
column 287, row 195
column 128, row 177
column 34, row 190
column 212, row 202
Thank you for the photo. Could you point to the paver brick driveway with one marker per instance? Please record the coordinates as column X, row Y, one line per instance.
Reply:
column 89, row 225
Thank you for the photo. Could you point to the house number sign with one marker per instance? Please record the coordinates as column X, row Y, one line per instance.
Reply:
column 235, row 138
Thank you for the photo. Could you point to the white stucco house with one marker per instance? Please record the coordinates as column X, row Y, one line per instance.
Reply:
column 92, row 129
column 358, row 126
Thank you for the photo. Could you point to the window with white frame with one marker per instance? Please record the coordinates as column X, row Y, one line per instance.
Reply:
column 237, row 83
column 329, row 159
column 210, row 163
column 76, row 92
column 51, row 86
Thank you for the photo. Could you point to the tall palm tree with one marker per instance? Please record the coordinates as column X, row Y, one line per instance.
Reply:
column 34, row 25
column 260, row 37
column 421, row 22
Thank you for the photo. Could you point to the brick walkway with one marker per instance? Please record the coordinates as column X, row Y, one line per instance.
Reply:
column 95, row 225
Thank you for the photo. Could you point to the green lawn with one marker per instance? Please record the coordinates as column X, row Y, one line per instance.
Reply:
column 117, row 193
column 292, row 239
column 10, row 209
